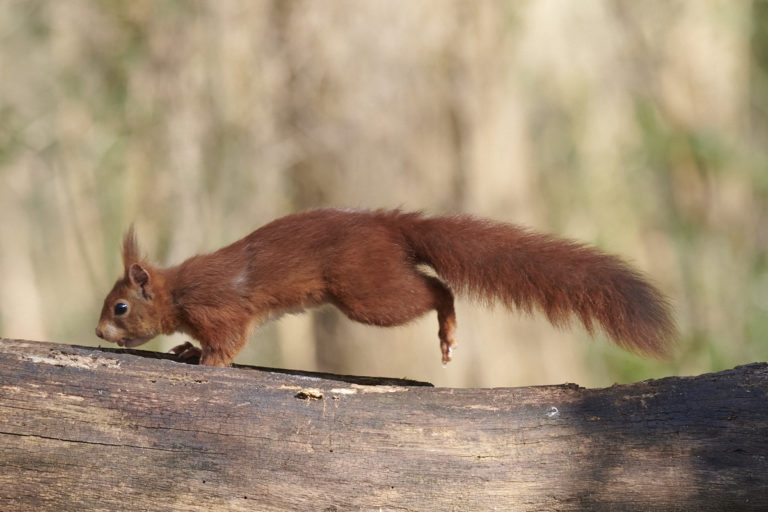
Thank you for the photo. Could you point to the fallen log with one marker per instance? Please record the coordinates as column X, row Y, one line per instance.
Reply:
column 85, row 428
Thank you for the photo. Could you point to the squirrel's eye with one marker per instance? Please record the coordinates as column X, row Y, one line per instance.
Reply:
column 121, row 308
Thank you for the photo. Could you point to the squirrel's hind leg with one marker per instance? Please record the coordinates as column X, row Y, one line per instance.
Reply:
column 400, row 299
column 446, row 316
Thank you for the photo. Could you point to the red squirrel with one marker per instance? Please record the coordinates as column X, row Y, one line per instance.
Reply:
column 370, row 265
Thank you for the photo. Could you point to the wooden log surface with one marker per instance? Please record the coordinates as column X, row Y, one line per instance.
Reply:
column 97, row 429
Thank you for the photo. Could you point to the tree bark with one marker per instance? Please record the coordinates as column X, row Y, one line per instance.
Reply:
column 99, row 429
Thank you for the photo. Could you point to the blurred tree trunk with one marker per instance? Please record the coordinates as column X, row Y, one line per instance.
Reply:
column 758, row 102
column 310, row 179
column 758, row 90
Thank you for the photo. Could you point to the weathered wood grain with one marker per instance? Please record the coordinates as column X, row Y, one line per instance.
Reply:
column 92, row 429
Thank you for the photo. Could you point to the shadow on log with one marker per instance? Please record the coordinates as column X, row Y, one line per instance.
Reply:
column 97, row 429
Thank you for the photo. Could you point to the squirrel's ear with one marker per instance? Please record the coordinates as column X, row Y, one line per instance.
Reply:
column 130, row 248
column 138, row 275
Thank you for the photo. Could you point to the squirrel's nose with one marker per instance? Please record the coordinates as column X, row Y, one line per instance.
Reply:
column 99, row 333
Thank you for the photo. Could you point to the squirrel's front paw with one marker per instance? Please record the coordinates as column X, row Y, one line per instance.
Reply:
column 187, row 352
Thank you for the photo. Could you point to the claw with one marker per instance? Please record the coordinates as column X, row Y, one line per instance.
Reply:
column 447, row 351
column 186, row 351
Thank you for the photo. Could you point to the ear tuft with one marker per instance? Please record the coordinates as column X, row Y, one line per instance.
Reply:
column 130, row 248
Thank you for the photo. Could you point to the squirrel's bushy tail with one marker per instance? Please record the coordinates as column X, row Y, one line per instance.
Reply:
column 489, row 260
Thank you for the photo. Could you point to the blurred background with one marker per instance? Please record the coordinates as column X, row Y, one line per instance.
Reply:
column 639, row 127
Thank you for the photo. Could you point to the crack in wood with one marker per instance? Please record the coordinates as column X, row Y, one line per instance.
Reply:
column 96, row 443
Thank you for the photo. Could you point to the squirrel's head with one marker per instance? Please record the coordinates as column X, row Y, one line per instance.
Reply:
column 131, row 314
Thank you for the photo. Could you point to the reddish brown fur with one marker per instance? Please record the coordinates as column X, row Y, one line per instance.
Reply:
column 367, row 265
